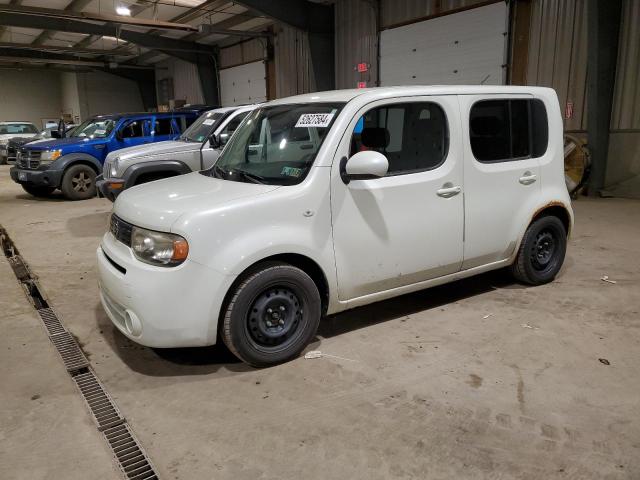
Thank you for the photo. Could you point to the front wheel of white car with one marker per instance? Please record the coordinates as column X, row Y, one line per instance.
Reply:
column 272, row 315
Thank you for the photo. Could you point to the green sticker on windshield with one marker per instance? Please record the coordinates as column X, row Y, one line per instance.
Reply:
column 291, row 172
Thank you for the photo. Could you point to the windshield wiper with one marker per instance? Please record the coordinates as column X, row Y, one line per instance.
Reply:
column 219, row 172
column 252, row 177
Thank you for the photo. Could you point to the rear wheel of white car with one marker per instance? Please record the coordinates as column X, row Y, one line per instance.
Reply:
column 272, row 315
column 542, row 251
column 79, row 182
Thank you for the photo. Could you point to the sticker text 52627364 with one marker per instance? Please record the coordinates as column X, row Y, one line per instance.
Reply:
column 314, row 120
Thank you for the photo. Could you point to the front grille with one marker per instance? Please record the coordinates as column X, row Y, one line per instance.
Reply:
column 28, row 158
column 121, row 230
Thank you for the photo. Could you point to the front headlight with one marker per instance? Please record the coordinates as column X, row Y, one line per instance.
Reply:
column 158, row 248
column 112, row 169
column 50, row 155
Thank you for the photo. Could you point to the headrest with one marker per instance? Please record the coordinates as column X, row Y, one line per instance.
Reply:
column 489, row 125
column 375, row 137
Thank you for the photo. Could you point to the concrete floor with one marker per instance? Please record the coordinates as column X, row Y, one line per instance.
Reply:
column 482, row 378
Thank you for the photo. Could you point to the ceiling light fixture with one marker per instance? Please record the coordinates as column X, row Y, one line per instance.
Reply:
column 122, row 10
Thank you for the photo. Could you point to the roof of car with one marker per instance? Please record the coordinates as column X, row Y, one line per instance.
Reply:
column 11, row 122
column 350, row 94
column 117, row 116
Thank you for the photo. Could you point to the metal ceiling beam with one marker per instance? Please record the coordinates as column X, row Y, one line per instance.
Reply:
column 136, row 9
column 226, row 24
column 97, row 17
column 31, row 56
column 70, row 50
column 11, row 2
column 75, row 5
column 302, row 14
column 179, row 48
column 206, row 30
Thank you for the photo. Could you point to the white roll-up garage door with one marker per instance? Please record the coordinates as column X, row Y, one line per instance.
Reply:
column 462, row 48
column 243, row 84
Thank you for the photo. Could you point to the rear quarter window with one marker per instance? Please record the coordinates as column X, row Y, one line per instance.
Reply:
column 508, row 129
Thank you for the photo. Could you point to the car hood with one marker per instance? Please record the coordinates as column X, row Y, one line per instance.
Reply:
column 8, row 136
column 64, row 142
column 170, row 146
column 157, row 205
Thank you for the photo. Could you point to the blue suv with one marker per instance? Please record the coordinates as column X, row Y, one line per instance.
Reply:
column 72, row 163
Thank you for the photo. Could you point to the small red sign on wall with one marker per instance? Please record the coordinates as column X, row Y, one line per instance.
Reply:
column 362, row 84
column 363, row 67
column 568, row 110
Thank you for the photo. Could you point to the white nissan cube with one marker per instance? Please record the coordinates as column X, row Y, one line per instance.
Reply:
column 324, row 202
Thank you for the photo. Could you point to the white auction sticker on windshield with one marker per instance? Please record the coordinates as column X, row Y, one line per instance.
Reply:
column 99, row 132
column 208, row 121
column 315, row 120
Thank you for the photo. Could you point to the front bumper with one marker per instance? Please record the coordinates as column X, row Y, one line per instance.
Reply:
column 158, row 306
column 109, row 188
column 40, row 178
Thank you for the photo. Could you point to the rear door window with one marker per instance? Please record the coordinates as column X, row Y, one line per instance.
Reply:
column 508, row 129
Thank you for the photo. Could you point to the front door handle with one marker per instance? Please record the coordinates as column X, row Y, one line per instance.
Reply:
column 528, row 178
column 448, row 190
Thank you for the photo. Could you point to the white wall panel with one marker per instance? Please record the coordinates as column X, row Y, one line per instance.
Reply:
column 462, row 48
column 243, row 84
column 30, row 95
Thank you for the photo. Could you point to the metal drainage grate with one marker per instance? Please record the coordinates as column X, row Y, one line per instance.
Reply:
column 51, row 322
column 132, row 459
column 68, row 349
column 104, row 411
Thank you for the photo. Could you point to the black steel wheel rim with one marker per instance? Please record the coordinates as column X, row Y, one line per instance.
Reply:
column 543, row 250
column 275, row 318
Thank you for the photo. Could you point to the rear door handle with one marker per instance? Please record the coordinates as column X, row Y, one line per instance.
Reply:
column 448, row 191
column 528, row 178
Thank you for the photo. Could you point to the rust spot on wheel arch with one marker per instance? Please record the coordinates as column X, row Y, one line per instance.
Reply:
column 552, row 204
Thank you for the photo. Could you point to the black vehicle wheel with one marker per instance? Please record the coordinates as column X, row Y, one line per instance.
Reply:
column 272, row 316
column 37, row 191
column 542, row 251
column 79, row 183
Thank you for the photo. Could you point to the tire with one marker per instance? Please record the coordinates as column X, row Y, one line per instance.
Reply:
column 542, row 252
column 272, row 315
column 37, row 191
column 79, row 182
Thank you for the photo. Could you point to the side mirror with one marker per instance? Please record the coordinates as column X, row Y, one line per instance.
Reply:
column 55, row 134
column 214, row 141
column 119, row 135
column 365, row 165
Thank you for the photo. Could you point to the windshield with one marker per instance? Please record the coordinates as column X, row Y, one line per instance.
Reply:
column 276, row 145
column 94, row 128
column 200, row 129
column 17, row 128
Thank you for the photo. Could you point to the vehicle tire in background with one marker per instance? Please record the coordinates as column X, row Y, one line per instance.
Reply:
column 272, row 315
column 79, row 182
column 37, row 191
column 541, row 252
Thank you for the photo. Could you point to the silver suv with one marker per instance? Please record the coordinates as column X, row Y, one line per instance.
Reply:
column 196, row 149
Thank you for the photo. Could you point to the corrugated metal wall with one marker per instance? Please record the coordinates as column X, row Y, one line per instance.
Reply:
column 396, row 12
column 558, row 54
column 626, row 100
column 293, row 62
column 356, row 37
column 243, row 52
column 186, row 83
